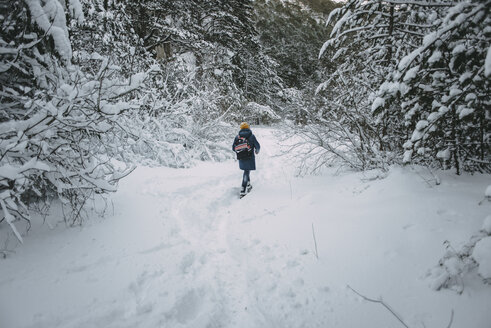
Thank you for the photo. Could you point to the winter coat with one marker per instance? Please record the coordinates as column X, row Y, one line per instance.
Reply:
column 249, row 163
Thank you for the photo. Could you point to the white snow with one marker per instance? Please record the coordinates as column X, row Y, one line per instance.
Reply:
column 189, row 59
column 433, row 117
column 430, row 38
column 459, row 49
column 411, row 73
column 487, row 193
column 465, row 112
column 465, row 76
column 13, row 172
column 76, row 10
column 443, row 110
column 487, row 63
column 50, row 17
column 114, row 109
column 177, row 248
column 390, row 87
column 407, row 155
column 96, row 56
column 378, row 102
column 470, row 96
column 454, row 265
column 482, row 254
column 260, row 110
column 435, row 57
column 405, row 61
column 443, row 154
column 454, row 91
column 340, row 22
column 486, row 226
column 421, row 124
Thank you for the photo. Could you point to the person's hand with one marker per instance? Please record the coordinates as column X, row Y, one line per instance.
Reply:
column 256, row 151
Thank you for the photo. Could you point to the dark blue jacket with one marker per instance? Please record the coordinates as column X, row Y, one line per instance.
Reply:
column 250, row 163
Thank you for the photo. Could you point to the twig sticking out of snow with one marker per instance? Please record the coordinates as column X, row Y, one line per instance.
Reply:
column 451, row 320
column 380, row 301
column 438, row 181
column 315, row 242
column 384, row 304
column 429, row 181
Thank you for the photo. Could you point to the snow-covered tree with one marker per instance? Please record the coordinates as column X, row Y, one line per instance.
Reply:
column 443, row 90
column 212, row 32
column 291, row 34
column 58, row 123
column 179, row 102
column 107, row 31
column 376, row 47
column 367, row 40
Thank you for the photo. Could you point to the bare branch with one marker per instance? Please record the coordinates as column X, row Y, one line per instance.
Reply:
column 383, row 304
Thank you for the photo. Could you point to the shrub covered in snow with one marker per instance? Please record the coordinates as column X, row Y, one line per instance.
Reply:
column 454, row 265
column 59, row 126
column 486, row 227
column 259, row 114
column 482, row 254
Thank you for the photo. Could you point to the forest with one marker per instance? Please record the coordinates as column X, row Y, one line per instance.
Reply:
column 125, row 110
column 366, row 83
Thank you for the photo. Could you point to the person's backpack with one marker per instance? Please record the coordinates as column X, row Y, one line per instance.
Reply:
column 243, row 148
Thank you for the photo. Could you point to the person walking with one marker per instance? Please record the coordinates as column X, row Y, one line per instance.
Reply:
column 246, row 146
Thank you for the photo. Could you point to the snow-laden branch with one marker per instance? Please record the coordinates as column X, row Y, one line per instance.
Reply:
column 433, row 37
column 421, row 3
column 50, row 17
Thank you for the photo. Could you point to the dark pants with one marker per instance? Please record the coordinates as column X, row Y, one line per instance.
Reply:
column 246, row 178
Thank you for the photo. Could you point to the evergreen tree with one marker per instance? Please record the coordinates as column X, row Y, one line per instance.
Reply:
column 424, row 57
column 444, row 91
column 368, row 41
column 291, row 35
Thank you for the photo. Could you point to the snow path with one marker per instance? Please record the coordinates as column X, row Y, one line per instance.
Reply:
column 181, row 250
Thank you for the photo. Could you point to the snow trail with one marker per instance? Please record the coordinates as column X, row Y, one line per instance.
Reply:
column 181, row 250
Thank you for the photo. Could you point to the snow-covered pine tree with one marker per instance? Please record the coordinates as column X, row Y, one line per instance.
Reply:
column 229, row 28
column 107, row 32
column 367, row 41
column 291, row 34
column 219, row 38
column 254, row 72
column 444, row 88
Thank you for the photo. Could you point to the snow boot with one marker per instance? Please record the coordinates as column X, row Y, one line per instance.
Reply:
column 243, row 192
column 249, row 187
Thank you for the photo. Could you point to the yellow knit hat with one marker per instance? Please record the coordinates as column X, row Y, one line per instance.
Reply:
column 244, row 125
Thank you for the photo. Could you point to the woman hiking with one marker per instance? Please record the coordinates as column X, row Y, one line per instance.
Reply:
column 246, row 145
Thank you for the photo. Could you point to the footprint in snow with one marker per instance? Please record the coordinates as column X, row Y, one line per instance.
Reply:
column 188, row 306
column 187, row 262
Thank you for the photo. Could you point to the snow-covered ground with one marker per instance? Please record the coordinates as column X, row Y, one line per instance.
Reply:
column 177, row 248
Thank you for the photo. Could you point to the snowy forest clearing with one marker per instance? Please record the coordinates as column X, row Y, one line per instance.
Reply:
column 179, row 249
